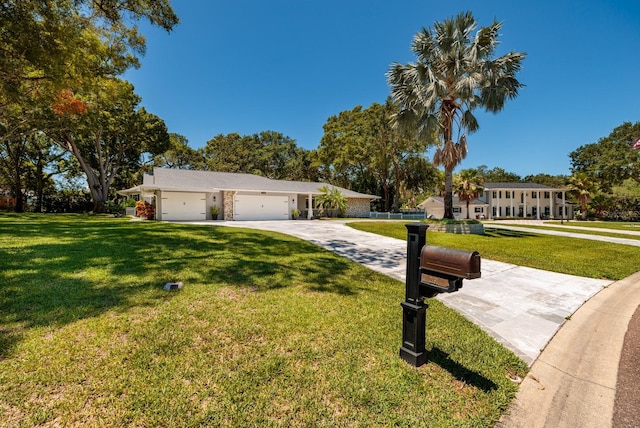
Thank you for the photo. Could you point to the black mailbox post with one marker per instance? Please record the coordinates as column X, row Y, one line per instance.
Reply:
column 430, row 271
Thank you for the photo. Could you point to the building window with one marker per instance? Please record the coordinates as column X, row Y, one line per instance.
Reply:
column 495, row 194
column 494, row 212
column 546, row 195
column 507, row 195
column 457, row 210
column 508, row 211
column 478, row 209
column 534, row 195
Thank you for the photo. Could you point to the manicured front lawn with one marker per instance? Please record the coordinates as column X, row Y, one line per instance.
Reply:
column 267, row 331
column 600, row 224
column 593, row 259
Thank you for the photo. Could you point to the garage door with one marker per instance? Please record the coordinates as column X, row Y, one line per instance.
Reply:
column 262, row 207
column 184, row 206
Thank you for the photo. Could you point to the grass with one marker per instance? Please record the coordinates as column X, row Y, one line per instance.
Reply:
column 569, row 229
column 600, row 224
column 267, row 331
column 593, row 259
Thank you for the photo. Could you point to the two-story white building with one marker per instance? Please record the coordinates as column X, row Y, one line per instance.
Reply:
column 526, row 200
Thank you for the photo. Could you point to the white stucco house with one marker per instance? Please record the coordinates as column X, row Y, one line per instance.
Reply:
column 434, row 208
column 530, row 200
column 180, row 194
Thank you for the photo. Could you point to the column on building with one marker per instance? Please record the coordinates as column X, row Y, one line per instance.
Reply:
column 310, row 210
column 511, row 203
column 552, row 208
column 563, row 207
column 538, row 205
column 498, row 213
column 524, row 212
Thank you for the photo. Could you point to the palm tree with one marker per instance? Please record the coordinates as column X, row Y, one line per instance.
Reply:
column 331, row 199
column 583, row 188
column 455, row 73
column 468, row 185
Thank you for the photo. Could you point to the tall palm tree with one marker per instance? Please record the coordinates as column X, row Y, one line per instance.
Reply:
column 455, row 73
column 468, row 185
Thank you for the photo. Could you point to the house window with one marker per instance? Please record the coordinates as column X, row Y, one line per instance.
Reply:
column 495, row 194
column 534, row 195
column 494, row 211
column 508, row 211
column 500, row 194
column 457, row 210
column 507, row 195
column 546, row 195
column 478, row 209
column 534, row 211
column 546, row 211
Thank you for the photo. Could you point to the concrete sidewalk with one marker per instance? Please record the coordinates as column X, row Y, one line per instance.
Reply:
column 520, row 307
column 573, row 383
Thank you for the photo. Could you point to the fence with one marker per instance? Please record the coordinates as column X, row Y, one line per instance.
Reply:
column 403, row 215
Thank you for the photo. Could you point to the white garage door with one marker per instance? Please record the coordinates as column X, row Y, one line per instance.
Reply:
column 184, row 206
column 262, row 207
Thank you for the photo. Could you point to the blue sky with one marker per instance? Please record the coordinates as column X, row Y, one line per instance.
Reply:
column 247, row 66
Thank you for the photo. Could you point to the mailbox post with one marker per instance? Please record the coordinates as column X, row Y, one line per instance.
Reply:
column 414, row 310
column 430, row 271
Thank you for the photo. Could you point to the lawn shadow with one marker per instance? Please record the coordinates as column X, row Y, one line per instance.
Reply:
column 460, row 372
column 506, row 233
column 56, row 272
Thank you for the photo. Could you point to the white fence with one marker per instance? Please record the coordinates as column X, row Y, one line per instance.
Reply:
column 413, row 215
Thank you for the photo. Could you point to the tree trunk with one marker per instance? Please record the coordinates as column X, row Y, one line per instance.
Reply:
column 448, row 193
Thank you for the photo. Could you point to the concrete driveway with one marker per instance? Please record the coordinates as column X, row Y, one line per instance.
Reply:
column 519, row 306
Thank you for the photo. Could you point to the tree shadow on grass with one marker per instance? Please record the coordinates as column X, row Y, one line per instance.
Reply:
column 56, row 272
column 460, row 372
column 506, row 233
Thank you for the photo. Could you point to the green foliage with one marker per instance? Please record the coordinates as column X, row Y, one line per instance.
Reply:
column 215, row 211
column 268, row 153
column 361, row 150
column 331, row 201
column 610, row 161
column 454, row 74
column 500, row 175
column 111, row 134
column 267, row 331
column 468, row 185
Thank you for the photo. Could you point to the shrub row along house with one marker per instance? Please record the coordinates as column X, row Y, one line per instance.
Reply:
column 190, row 195
column 526, row 200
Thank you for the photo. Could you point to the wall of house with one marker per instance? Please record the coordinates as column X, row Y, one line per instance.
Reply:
column 215, row 198
column 522, row 203
column 433, row 209
column 357, row 207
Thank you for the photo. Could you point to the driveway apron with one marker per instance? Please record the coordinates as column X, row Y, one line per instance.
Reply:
column 520, row 307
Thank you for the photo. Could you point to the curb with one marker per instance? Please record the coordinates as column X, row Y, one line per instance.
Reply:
column 573, row 381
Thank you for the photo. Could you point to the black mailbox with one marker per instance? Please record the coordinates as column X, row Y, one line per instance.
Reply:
column 430, row 270
column 443, row 269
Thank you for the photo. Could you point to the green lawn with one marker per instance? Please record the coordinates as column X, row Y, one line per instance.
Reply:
column 593, row 259
column 267, row 331
column 589, row 231
column 601, row 224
